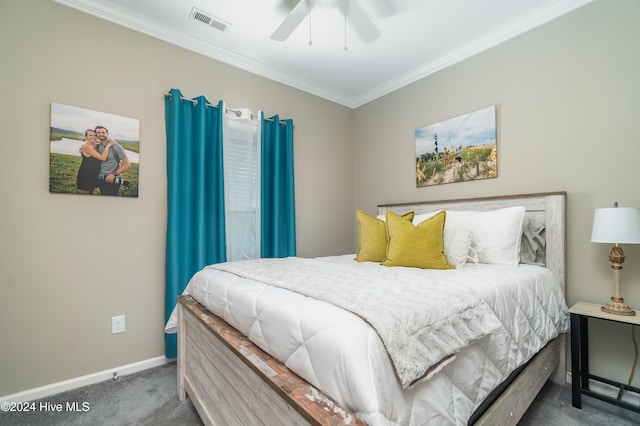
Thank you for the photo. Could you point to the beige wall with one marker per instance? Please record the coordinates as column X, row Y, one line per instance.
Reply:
column 567, row 96
column 568, row 103
column 69, row 263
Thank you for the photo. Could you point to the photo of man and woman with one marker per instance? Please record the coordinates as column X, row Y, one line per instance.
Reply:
column 93, row 152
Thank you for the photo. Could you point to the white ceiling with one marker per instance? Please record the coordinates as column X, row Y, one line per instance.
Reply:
column 417, row 37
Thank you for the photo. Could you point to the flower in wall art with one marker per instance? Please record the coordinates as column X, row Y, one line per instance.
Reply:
column 459, row 149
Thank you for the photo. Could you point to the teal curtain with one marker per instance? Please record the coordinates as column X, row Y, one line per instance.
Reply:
column 277, row 195
column 195, row 186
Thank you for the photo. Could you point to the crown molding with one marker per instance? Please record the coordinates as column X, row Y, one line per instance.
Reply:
column 536, row 18
column 540, row 16
column 150, row 28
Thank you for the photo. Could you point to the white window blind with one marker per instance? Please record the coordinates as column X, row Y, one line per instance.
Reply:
column 241, row 149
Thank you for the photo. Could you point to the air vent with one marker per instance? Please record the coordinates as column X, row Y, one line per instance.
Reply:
column 208, row 19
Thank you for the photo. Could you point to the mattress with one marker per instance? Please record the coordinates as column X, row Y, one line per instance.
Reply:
column 341, row 354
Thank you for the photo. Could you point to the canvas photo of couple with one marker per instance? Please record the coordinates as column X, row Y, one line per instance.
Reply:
column 93, row 152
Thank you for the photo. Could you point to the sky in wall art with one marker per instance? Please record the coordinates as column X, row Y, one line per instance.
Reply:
column 459, row 149
column 80, row 163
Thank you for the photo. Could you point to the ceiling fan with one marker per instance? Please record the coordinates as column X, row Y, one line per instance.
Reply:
column 351, row 9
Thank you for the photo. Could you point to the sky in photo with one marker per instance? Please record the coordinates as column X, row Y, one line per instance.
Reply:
column 474, row 128
column 79, row 119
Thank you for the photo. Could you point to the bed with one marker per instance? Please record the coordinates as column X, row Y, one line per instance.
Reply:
column 308, row 361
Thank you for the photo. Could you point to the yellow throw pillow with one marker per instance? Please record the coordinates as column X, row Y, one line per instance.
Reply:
column 419, row 246
column 372, row 236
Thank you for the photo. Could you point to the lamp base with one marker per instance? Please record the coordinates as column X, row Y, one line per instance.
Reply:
column 616, row 306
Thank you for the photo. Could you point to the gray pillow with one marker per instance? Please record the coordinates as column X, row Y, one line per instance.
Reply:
column 532, row 244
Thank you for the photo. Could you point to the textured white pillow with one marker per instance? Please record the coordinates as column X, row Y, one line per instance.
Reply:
column 459, row 247
column 497, row 233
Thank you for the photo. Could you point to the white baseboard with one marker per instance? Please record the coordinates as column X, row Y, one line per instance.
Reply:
column 77, row 382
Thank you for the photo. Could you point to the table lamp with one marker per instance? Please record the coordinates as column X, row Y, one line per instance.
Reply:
column 617, row 225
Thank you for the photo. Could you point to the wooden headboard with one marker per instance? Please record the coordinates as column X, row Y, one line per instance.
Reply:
column 547, row 207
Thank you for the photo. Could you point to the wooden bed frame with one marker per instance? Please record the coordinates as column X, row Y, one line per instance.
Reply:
column 232, row 382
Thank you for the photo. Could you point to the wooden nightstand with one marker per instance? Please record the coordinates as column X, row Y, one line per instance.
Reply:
column 580, row 313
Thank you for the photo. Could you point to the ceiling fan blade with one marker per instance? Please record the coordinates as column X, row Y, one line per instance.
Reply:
column 360, row 22
column 292, row 21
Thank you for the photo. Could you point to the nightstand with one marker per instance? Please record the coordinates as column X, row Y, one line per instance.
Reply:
column 580, row 376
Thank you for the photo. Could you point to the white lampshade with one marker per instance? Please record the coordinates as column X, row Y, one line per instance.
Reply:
column 616, row 225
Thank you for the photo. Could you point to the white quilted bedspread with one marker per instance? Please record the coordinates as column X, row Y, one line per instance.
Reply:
column 340, row 353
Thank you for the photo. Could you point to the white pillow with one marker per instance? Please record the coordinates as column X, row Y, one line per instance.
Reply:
column 497, row 233
column 459, row 247
column 419, row 218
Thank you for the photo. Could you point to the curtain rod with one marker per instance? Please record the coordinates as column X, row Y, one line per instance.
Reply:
column 195, row 102
column 238, row 113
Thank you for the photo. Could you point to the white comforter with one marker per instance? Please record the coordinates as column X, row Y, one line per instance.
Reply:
column 341, row 354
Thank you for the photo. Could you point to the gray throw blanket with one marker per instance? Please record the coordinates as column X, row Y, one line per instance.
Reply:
column 422, row 322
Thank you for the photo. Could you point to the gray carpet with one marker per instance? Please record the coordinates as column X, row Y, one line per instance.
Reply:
column 145, row 398
column 149, row 398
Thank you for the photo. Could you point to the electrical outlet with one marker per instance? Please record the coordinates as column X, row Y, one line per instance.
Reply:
column 117, row 324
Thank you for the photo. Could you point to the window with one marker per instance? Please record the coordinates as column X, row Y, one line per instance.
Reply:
column 241, row 147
